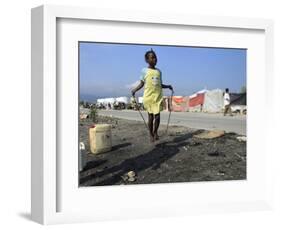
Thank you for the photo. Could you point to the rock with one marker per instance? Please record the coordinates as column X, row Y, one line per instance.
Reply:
column 210, row 134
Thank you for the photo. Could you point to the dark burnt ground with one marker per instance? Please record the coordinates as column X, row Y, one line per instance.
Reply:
column 176, row 157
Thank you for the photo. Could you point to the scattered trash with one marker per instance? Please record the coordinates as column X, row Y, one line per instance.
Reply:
column 242, row 138
column 210, row 134
column 130, row 176
column 81, row 159
column 82, row 146
column 185, row 148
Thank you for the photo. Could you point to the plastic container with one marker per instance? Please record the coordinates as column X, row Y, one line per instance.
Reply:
column 100, row 138
column 82, row 156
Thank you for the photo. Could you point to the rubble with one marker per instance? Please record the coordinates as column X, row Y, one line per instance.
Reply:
column 178, row 156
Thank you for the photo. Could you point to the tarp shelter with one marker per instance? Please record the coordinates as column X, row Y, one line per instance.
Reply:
column 196, row 102
column 180, row 103
column 197, row 99
column 213, row 101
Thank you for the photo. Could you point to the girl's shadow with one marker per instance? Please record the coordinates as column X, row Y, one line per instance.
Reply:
column 152, row 159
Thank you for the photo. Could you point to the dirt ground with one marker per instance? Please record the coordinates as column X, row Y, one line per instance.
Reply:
column 178, row 156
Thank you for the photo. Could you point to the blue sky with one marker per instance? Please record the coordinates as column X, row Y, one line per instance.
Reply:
column 108, row 70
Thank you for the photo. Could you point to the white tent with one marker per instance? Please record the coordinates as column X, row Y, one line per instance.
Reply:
column 122, row 99
column 213, row 101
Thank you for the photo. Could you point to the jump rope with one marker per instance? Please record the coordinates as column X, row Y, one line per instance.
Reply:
column 170, row 110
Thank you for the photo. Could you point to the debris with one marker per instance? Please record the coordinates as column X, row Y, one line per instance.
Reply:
column 210, row 134
column 174, row 158
column 131, row 176
column 82, row 157
column 242, row 138
column 82, row 146
column 131, row 179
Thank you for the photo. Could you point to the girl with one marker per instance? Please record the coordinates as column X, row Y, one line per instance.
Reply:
column 151, row 79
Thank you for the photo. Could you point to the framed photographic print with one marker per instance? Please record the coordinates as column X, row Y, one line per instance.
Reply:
column 140, row 114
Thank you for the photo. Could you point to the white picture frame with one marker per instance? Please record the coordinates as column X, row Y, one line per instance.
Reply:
column 49, row 188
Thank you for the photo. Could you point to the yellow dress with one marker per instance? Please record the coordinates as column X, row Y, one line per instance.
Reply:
column 152, row 96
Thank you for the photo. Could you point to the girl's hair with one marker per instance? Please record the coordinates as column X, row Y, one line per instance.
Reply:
column 149, row 52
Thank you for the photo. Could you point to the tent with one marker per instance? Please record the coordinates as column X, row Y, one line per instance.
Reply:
column 213, row 101
column 180, row 103
column 122, row 99
column 196, row 100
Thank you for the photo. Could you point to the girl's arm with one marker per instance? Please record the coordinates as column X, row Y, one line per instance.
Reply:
column 141, row 84
column 167, row 87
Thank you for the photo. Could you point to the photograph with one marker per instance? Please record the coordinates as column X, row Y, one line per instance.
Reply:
column 151, row 114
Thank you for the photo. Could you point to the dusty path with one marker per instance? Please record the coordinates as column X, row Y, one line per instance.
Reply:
column 177, row 157
column 235, row 124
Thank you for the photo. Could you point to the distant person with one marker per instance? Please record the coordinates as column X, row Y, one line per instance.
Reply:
column 226, row 102
column 151, row 79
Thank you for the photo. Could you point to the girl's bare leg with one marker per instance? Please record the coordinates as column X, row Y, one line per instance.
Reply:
column 156, row 126
column 150, row 126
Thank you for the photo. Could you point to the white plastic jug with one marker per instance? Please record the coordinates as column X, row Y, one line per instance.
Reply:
column 100, row 138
